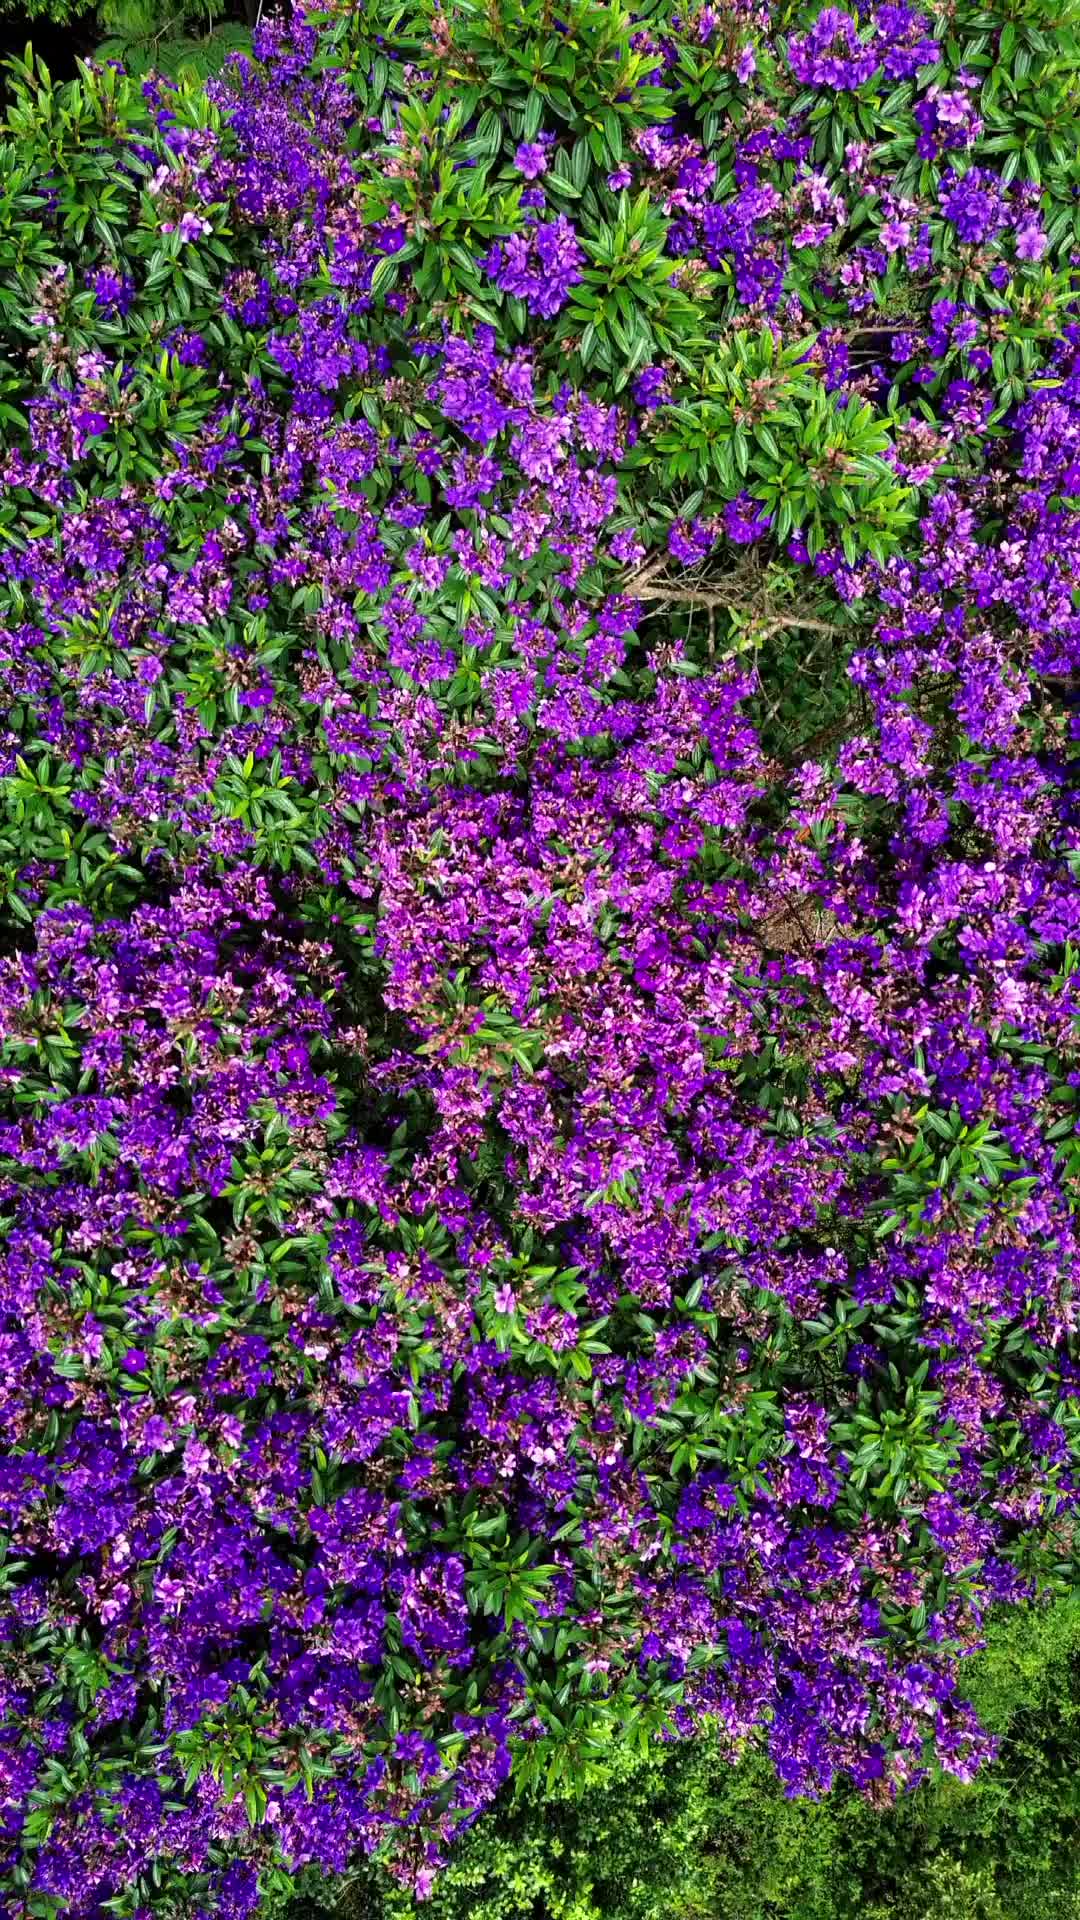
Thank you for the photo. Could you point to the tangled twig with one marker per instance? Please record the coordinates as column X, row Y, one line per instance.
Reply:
column 644, row 586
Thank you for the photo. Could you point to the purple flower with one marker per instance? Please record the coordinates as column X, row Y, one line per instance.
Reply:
column 113, row 292
column 690, row 541
column 539, row 266
column 1031, row 242
column 88, row 422
column 531, row 159
column 745, row 521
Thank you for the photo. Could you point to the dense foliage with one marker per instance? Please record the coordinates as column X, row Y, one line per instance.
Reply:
column 539, row 981
column 187, row 39
column 681, row 1834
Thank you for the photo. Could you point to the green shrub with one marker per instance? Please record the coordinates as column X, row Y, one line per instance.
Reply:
column 178, row 37
column 189, row 38
column 60, row 12
column 683, row 1834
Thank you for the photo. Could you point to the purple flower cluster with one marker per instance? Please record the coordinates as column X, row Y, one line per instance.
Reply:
column 529, row 1196
column 836, row 54
column 539, row 265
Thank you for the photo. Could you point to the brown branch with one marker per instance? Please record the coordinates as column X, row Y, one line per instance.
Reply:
column 644, row 573
column 802, row 620
column 683, row 596
column 709, row 597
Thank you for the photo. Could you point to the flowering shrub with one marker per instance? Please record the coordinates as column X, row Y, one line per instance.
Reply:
column 680, row 1832
column 539, row 977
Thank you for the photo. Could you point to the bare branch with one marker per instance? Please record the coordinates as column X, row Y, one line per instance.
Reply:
column 644, row 574
column 802, row 620
column 710, row 597
column 683, row 596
